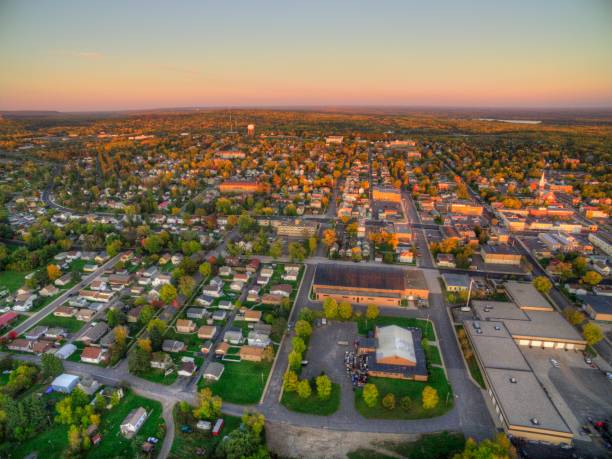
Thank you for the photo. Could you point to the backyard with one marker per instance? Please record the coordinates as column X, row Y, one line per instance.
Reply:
column 242, row 382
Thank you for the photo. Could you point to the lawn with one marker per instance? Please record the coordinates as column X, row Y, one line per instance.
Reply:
column 241, row 382
column 186, row 444
column 158, row 376
column 471, row 362
column 313, row 405
column 49, row 443
column 433, row 354
column 11, row 280
column 364, row 325
column 413, row 389
column 69, row 323
column 190, row 339
column 113, row 444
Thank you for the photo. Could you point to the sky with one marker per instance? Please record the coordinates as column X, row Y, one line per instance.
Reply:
column 128, row 54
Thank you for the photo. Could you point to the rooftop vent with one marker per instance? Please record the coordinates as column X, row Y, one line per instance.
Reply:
column 535, row 421
column 513, row 380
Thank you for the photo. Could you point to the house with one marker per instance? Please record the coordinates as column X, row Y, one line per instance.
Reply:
column 133, row 422
column 119, row 281
column 170, row 345
column 98, row 285
column 214, row 291
column 219, row 316
column 185, row 326
column 236, row 286
column 226, row 305
column 85, row 315
column 241, row 277
column 161, row 279
column 41, row 346
column 456, row 282
column 406, row 256
column 272, row 299
column 222, row 349
column 253, row 265
column 446, row 260
column 207, row 332
column 108, row 340
column 187, row 368
column 176, row 259
column 7, row 318
column 49, row 290
column 196, row 313
column 94, row 333
column 66, row 351
column 281, row 290
column 20, row 345
column 64, row 280
column 65, row 383
column 233, row 336
column 64, row 311
column 258, row 339
column 266, row 272
column 161, row 361
column 225, row 271
column 55, row 333
column 94, row 355
column 206, row 347
column 134, row 314
column 213, row 371
column 251, row 353
column 252, row 297
column 36, row 332
column 252, row 316
column 205, row 300
column 89, row 385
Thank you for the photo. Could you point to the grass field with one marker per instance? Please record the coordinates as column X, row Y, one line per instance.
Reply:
column 11, row 280
column 241, row 382
column 50, row 444
column 433, row 354
column 69, row 323
column 186, row 444
column 413, row 389
column 158, row 376
column 364, row 325
column 313, row 405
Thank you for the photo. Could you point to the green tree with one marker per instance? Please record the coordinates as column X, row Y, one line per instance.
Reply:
column 542, row 284
column 592, row 278
column 290, row 381
column 370, row 395
column 330, row 308
column 276, row 250
column 186, row 285
column 574, row 316
column 146, row 314
column 406, row 403
column 345, row 310
column 298, row 344
column 113, row 248
column 499, row 448
column 303, row 389
column 139, row 360
column 205, row 269
column 312, row 245
column 324, row 387
column 167, row 293
column 295, row 360
column 307, row 314
column 209, row 405
column 592, row 333
column 74, row 439
column 430, row 398
column 297, row 252
column 254, row 421
column 372, row 312
column 388, row 401
column 51, row 365
column 153, row 244
column 303, row 329
column 156, row 329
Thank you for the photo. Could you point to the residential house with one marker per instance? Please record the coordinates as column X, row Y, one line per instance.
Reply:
column 133, row 422
column 49, row 290
column 213, row 371
column 161, row 361
column 187, row 368
column 94, row 355
column 161, row 279
column 233, row 336
column 207, row 332
column 20, row 345
column 36, row 332
column 94, row 333
column 64, row 311
column 251, row 353
column 258, row 339
column 185, row 326
column 281, row 290
column 170, row 345
column 196, row 313
column 226, row 305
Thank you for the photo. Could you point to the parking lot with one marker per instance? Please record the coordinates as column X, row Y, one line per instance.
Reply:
column 324, row 352
column 576, row 389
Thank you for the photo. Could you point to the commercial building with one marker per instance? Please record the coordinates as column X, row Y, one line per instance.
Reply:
column 500, row 254
column 456, row 282
column 238, row 186
column 526, row 296
column 297, row 228
column 598, row 307
column 466, row 208
column 386, row 193
column 601, row 243
column 395, row 352
column 518, row 400
column 383, row 286
column 334, row 139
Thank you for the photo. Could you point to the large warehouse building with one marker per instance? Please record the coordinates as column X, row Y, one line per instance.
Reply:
column 383, row 286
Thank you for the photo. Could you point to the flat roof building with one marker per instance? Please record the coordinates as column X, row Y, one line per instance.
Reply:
column 384, row 286
column 526, row 296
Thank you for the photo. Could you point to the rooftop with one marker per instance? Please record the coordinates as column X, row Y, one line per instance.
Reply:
column 525, row 295
column 383, row 278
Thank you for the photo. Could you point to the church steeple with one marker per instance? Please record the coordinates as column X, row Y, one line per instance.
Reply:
column 542, row 183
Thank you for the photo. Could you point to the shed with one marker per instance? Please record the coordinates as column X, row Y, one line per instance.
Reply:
column 65, row 383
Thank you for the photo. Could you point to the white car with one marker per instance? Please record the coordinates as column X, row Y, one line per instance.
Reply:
column 555, row 363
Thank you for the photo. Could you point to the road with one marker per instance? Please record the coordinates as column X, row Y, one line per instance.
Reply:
column 41, row 314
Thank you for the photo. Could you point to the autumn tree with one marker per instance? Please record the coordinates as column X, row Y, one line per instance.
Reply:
column 345, row 310
column 330, row 308
column 53, row 272
column 370, row 395
column 542, row 284
column 430, row 398
column 290, row 381
column 324, row 387
column 329, row 237
column 303, row 389
column 209, row 405
column 205, row 269
column 592, row 333
column 388, row 401
column 167, row 293
column 573, row 315
column 372, row 312
column 592, row 278
column 303, row 329
column 186, row 285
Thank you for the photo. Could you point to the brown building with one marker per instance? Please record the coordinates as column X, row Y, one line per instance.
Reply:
column 466, row 208
column 500, row 254
column 383, row 286
column 236, row 186
column 251, row 353
column 387, row 194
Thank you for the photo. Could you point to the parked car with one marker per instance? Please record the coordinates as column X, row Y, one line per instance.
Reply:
column 555, row 363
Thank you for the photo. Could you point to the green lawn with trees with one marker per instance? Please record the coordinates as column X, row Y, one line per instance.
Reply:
column 313, row 404
column 412, row 408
